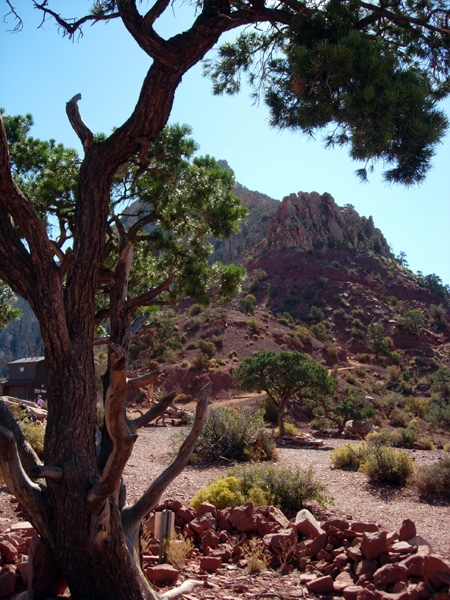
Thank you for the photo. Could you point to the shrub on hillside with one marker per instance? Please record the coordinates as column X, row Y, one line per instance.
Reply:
column 208, row 348
column 349, row 456
column 237, row 435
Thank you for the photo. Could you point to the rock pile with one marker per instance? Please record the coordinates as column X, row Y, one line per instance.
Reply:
column 354, row 559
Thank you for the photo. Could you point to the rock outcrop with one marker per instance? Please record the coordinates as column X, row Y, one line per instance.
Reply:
column 314, row 221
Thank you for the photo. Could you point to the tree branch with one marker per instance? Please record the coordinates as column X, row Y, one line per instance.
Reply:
column 27, row 493
column 133, row 515
column 138, row 382
column 28, row 456
column 123, row 440
column 144, row 299
column 152, row 414
column 79, row 126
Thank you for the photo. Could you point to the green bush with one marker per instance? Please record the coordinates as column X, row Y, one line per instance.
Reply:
column 194, row 310
column 226, row 491
column 208, row 348
column 270, row 410
column 289, row 489
column 385, row 465
column 350, row 456
column 433, row 480
column 200, row 362
column 247, row 304
column 254, row 326
column 34, row 434
column 289, row 429
column 237, row 435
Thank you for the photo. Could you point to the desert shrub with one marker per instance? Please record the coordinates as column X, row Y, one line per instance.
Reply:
column 254, row 326
column 336, row 264
column 217, row 339
column 290, row 429
column 254, row 554
column 386, row 465
column 315, row 314
column 226, row 491
column 208, row 348
column 439, row 414
column 349, row 456
column 34, row 434
column 289, row 489
column 446, row 447
column 259, row 274
column 320, row 331
column 178, row 549
column 247, row 304
column 194, row 310
column 331, row 348
column 303, row 333
column 193, row 324
column 233, row 435
column 417, row 406
column 200, row 362
column 339, row 313
column 403, row 438
column 398, row 418
column 433, row 480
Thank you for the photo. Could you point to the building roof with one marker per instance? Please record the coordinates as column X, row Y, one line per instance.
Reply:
column 32, row 359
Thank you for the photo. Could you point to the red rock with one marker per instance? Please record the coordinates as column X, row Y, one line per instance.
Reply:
column 206, row 507
column 434, row 568
column 373, row 545
column 202, row 523
column 390, row 573
column 366, row 567
column 264, row 525
column 354, row 552
column 210, row 563
column 324, row 555
column 321, row 585
column 415, row 565
column 352, row 592
column 360, row 527
column 172, row 504
column 209, row 538
column 407, row 530
column 340, row 560
column 242, row 519
column 185, row 515
column 162, row 574
column 343, row 581
column 8, row 550
column 7, row 583
column 281, row 539
column 403, row 548
column 317, row 544
column 307, row 525
column 338, row 523
column 23, row 528
column 223, row 551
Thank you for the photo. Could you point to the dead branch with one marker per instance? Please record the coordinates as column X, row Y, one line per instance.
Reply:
column 28, row 456
column 156, row 411
column 51, row 473
column 138, row 382
column 185, row 588
column 29, row 494
column 133, row 515
column 79, row 126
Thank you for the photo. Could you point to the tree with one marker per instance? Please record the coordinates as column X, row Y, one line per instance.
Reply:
column 284, row 376
column 7, row 311
column 377, row 341
column 371, row 71
column 413, row 321
column 355, row 405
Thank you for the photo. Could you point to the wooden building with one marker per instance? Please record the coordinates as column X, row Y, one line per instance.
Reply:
column 27, row 379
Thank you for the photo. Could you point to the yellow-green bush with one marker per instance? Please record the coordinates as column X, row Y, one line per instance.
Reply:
column 34, row 434
column 224, row 492
column 349, row 456
column 434, row 480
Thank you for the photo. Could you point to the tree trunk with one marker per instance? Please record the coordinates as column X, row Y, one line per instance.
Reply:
column 280, row 416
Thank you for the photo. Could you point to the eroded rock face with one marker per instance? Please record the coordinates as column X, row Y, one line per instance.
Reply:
column 308, row 221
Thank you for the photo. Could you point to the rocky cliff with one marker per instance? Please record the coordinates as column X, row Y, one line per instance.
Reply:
column 314, row 221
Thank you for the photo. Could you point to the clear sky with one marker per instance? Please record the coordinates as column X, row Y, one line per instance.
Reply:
column 41, row 71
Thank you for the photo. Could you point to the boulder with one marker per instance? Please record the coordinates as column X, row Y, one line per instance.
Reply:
column 162, row 574
column 390, row 573
column 373, row 545
column 321, row 585
column 407, row 530
column 210, row 563
column 307, row 525
column 202, row 523
column 7, row 583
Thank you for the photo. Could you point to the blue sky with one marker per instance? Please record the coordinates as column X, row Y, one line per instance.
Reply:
column 41, row 71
